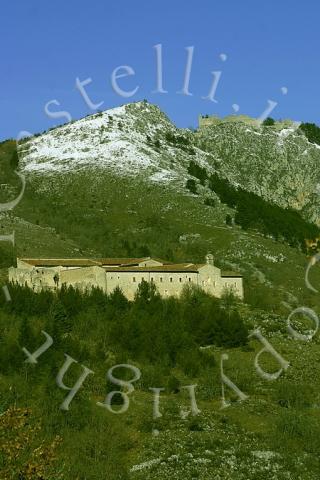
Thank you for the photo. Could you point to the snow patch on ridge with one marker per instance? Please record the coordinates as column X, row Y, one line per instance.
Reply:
column 109, row 139
column 163, row 176
column 127, row 141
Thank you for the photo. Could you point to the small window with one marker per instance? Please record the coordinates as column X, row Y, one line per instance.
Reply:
column 151, row 279
column 180, row 280
column 161, row 279
column 170, row 279
column 142, row 279
column 189, row 279
column 134, row 279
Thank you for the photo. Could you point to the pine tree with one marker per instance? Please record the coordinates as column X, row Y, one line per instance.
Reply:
column 268, row 122
column 146, row 293
column 60, row 323
column 118, row 300
column 228, row 220
column 192, row 186
column 26, row 336
column 14, row 160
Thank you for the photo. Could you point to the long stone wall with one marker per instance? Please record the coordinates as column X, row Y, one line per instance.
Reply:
column 234, row 284
column 36, row 278
column 83, row 278
column 168, row 283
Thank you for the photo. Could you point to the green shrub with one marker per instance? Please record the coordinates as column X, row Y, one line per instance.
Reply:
column 192, row 186
column 173, row 384
column 268, row 122
column 210, row 202
column 311, row 131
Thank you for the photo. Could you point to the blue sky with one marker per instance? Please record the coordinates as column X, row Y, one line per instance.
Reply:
column 46, row 45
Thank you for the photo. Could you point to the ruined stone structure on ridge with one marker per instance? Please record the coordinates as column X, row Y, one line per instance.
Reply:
column 209, row 120
column 126, row 273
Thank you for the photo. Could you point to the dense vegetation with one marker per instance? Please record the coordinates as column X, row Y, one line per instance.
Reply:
column 10, row 183
column 162, row 338
column 99, row 331
column 254, row 212
column 196, row 171
column 180, row 141
column 163, row 328
column 268, row 122
column 251, row 211
column 311, row 131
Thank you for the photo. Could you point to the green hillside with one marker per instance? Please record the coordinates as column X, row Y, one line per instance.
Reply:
column 129, row 183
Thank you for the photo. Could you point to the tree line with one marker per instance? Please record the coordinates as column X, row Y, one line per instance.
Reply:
column 253, row 212
column 149, row 329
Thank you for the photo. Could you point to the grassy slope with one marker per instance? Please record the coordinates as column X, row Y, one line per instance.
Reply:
column 235, row 443
column 280, row 417
column 99, row 214
column 113, row 217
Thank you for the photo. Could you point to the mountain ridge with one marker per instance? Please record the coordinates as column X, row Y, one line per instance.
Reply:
column 137, row 139
column 106, row 207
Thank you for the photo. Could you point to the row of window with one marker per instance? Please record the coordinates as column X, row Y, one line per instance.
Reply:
column 134, row 280
column 160, row 279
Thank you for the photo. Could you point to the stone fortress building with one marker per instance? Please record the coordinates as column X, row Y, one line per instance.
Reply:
column 126, row 273
column 210, row 120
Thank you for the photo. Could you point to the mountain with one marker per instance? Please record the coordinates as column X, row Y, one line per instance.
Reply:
column 281, row 166
column 138, row 140
column 122, row 140
column 114, row 183
column 127, row 182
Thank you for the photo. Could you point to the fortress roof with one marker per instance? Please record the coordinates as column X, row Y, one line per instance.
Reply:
column 173, row 268
column 88, row 262
column 129, row 261
column 230, row 274
column 123, row 265
column 179, row 267
column 63, row 262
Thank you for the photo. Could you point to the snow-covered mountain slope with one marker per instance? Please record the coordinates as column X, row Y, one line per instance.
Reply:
column 138, row 140
column 115, row 183
column 127, row 140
